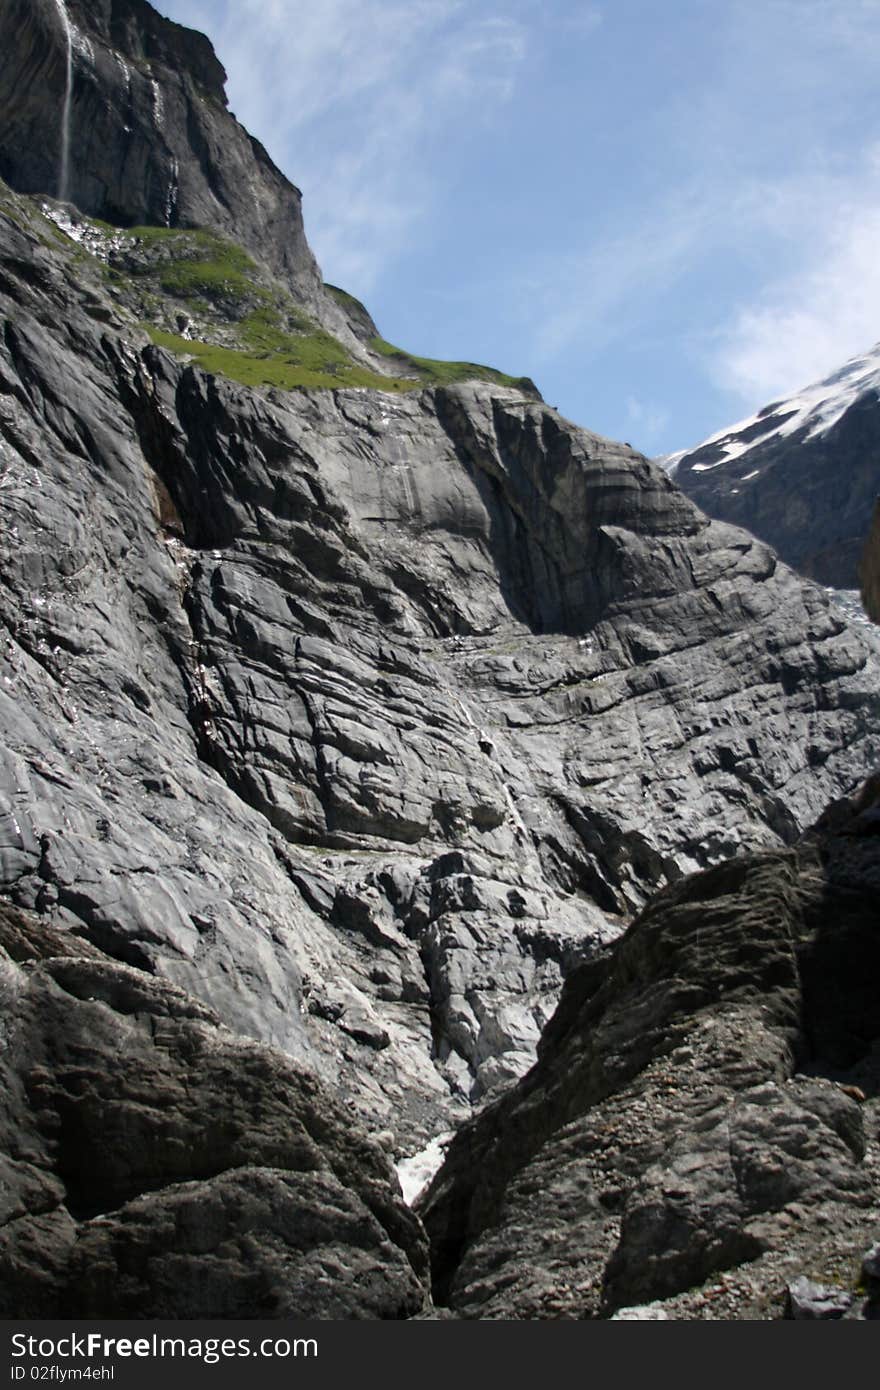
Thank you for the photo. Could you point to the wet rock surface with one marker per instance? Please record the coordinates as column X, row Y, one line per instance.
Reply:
column 701, row 1128
column 156, row 1165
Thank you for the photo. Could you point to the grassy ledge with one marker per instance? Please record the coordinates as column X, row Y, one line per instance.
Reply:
column 305, row 365
column 202, row 297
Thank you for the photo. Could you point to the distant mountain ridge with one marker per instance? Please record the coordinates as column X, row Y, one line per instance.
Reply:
column 801, row 474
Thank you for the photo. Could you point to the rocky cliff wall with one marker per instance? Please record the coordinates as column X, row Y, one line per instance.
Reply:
column 364, row 717
column 151, row 140
column 157, row 1166
column 365, row 720
column 699, row 1134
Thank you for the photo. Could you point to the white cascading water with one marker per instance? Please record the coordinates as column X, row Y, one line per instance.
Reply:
column 64, row 162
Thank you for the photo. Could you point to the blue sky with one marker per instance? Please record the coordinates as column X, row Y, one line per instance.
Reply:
column 667, row 212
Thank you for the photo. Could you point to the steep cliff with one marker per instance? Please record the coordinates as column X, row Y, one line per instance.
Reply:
column 149, row 137
column 870, row 568
column 362, row 715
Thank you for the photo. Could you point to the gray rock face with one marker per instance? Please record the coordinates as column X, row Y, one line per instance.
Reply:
column 693, row 1109
column 365, row 718
column 157, row 1166
column 151, row 138
column 362, row 722
column 802, row 474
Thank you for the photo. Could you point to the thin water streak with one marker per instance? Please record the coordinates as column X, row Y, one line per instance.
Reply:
column 64, row 162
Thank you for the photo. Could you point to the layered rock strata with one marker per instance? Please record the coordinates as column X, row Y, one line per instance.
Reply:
column 365, row 717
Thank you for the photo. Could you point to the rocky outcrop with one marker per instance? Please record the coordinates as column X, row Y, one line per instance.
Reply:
column 701, row 1129
column 151, row 140
column 364, row 718
column 157, row 1166
column 801, row 474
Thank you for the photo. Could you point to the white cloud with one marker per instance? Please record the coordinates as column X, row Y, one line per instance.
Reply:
column 809, row 241
column 593, row 299
column 580, row 19
column 796, row 330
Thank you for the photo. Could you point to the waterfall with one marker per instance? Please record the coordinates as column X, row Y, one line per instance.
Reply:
column 173, row 194
column 64, row 161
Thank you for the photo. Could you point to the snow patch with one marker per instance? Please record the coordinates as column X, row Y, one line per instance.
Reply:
column 98, row 243
column 669, row 462
column 158, row 103
column 417, row 1171
column 641, row 1312
column 850, row 600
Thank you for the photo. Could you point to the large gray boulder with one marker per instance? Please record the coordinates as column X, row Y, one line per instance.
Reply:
column 701, row 1123
column 157, row 1166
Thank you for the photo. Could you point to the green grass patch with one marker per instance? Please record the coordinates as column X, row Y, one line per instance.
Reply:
column 202, row 266
column 436, row 373
column 315, row 361
column 267, row 339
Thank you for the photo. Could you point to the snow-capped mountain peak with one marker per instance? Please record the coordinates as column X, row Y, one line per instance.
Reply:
column 815, row 408
column 802, row 474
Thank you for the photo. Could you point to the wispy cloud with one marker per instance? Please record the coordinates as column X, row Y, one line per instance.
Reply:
column 759, row 253
column 580, row 19
column 594, row 297
column 647, row 421
column 351, row 100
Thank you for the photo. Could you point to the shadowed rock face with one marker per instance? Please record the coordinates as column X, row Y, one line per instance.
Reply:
column 156, row 1166
column 686, row 1115
column 364, row 718
column 870, row 570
